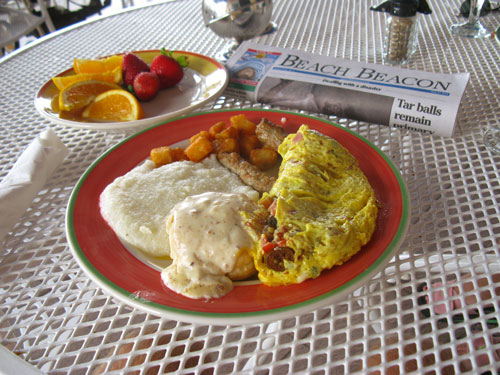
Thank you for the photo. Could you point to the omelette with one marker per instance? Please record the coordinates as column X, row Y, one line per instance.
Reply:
column 319, row 213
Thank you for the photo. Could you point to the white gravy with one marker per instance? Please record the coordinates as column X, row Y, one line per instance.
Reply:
column 205, row 234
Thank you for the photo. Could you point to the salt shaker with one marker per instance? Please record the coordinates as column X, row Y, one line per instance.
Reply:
column 401, row 28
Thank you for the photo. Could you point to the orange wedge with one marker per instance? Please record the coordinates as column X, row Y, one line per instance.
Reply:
column 79, row 94
column 114, row 105
column 114, row 76
column 98, row 65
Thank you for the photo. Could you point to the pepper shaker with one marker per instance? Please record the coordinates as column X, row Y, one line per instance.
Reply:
column 401, row 28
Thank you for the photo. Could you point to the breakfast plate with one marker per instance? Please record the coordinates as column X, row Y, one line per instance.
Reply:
column 124, row 275
column 204, row 79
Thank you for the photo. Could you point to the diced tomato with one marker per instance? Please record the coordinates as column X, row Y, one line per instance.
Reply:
column 268, row 247
column 272, row 207
column 282, row 243
column 266, row 202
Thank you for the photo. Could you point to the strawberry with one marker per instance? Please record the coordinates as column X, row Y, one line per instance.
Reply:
column 132, row 65
column 146, row 86
column 168, row 69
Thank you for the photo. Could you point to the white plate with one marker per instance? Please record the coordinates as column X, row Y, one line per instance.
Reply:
column 204, row 79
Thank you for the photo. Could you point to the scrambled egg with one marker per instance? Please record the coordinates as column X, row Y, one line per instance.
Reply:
column 318, row 214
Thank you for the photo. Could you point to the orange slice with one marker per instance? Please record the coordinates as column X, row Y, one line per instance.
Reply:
column 114, row 105
column 114, row 76
column 97, row 65
column 79, row 94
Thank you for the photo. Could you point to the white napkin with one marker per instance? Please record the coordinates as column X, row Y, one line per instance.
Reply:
column 12, row 364
column 28, row 176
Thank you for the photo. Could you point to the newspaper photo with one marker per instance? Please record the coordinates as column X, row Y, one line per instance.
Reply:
column 380, row 94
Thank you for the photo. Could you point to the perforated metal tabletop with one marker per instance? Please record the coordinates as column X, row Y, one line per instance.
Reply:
column 432, row 310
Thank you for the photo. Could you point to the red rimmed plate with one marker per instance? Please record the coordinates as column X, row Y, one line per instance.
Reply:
column 118, row 271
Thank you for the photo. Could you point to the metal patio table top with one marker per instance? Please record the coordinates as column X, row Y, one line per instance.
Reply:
column 56, row 319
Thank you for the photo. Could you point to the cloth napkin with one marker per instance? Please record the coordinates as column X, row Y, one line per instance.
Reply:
column 28, row 176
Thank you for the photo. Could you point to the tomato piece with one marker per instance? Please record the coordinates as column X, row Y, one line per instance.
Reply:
column 266, row 202
column 272, row 207
column 268, row 247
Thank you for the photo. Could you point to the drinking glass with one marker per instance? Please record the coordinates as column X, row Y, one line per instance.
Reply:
column 473, row 28
column 492, row 135
column 492, row 139
column 496, row 34
column 237, row 20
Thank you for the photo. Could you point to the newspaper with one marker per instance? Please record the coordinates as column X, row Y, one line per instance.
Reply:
column 381, row 94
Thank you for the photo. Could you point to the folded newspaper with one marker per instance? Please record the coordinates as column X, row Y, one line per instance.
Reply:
column 381, row 94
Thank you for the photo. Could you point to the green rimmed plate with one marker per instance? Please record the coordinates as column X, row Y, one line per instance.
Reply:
column 125, row 276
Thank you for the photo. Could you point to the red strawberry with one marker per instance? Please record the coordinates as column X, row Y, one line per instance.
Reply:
column 132, row 65
column 146, row 86
column 168, row 70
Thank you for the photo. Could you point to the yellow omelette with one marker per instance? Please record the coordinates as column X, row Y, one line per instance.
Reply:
column 318, row 214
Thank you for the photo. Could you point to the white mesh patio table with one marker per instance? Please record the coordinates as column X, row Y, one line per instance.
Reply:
column 55, row 318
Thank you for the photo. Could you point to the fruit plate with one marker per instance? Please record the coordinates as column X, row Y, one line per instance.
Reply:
column 124, row 275
column 204, row 79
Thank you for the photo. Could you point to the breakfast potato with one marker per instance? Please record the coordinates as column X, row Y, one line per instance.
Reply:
column 178, row 154
column 229, row 132
column 248, row 142
column 201, row 134
column 216, row 128
column 161, row 156
column 199, row 149
column 244, row 266
column 225, row 145
column 263, row 158
column 243, row 124
column 242, row 137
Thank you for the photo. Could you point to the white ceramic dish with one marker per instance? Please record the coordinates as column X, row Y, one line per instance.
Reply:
column 204, row 79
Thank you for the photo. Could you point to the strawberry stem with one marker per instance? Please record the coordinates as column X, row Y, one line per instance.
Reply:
column 181, row 60
column 166, row 52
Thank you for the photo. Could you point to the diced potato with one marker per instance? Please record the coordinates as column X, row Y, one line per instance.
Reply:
column 263, row 158
column 161, row 155
column 229, row 132
column 243, row 124
column 199, row 149
column 225, row 145
column 247, row 143
column 178, row 154
column 216, row 128
column 203, row 133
